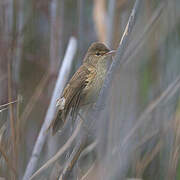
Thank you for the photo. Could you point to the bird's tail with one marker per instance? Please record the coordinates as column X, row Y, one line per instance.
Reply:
column 57, row 122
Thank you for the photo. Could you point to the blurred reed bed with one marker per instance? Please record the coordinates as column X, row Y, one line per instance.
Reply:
column 136, row 134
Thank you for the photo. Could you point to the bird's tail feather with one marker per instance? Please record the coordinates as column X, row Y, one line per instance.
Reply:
column 57, row 122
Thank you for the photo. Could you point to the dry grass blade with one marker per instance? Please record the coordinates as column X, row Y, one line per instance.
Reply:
column 155, row 132
column 147, row 137
column 62, row 78
column 73, row 158
column 148, row 157
column 18, row 124
column 2, row 130
column 9, row 164
column 111, row 22
column 85, row 176
column 99, row 14
column 34, row 98
column 86, row 151
column 12, row 122
column 60, row 151
column 90, row 148
column 134, row 47
column 3, row 109
column 171, row 90
column 55, row 171
column 116, row 62
column 7, row 104
column 174, row 157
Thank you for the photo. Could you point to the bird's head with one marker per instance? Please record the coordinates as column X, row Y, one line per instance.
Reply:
column 98, row 53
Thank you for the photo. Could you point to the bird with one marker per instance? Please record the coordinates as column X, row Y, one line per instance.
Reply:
column 84, row 86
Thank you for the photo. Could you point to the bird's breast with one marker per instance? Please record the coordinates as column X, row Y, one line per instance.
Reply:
column 93, row 87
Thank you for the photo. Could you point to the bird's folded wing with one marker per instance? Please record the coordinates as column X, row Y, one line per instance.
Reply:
column 74, row 89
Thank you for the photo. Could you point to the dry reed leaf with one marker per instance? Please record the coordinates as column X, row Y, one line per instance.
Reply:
column 2, row 130
column 57, row 168
column 174, row 156
column 99, row 14
column 147, row 159
column 7, row 160
column 37, row 93
column 90, row 170
column 121, row 3
column 60, row 151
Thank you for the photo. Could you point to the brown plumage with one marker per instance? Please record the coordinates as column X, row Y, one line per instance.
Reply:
column 84, row 86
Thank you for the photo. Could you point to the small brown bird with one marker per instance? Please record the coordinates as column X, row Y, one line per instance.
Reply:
column 84, row 86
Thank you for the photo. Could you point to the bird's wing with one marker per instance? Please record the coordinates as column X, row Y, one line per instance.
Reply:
column 72, row 96
column 74, row 89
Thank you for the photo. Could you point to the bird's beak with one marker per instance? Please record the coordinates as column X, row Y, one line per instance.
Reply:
column 111, row 53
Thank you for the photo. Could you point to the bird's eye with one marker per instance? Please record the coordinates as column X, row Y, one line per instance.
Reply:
column 98, row 54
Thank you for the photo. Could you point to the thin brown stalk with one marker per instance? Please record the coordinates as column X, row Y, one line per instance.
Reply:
column 147, row 137
column 170, row 91
column 18, row 124
column 174, row 156
column 86, row 151
column 136, row 45
column 99, row 14
column 61, row 80
column 117, row 62
column 111, row 22
column 79, row 147
column 155, row 132
column 57, row 168
column 3, row 109
column 85, row 176
column 148, row 157
column 7, row 104
column 12, row 123
column 60, row 151
column 8, row 162
column 35, row 97
column 2, row 130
